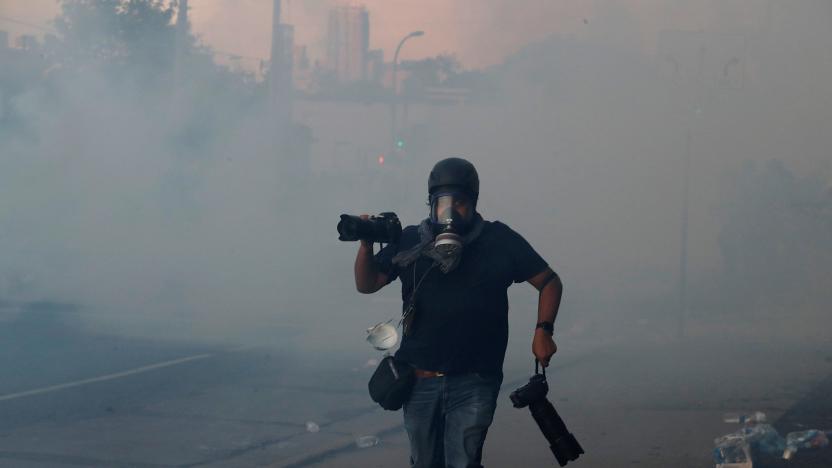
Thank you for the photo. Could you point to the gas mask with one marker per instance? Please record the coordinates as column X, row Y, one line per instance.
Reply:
column 451, row 213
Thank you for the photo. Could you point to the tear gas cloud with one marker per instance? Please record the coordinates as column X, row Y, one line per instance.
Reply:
column 150, row 186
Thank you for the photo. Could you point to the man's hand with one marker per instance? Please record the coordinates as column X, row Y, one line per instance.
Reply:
column 543, row 346
column 367, row 277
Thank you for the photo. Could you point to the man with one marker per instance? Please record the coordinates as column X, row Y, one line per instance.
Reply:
column 456, row 323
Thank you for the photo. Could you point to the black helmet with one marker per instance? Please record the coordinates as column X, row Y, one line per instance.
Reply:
column 454, row 172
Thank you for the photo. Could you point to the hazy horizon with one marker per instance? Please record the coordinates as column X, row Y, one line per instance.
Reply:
column 480, row 32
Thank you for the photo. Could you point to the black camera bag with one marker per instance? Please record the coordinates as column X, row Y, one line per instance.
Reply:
column 391, row 383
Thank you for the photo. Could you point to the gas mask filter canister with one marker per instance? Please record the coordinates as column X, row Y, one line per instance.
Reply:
column 449, row 222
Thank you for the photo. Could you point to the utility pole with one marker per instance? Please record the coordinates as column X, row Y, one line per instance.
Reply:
column 393, row 112
column 701, row 64
column 683, row 252
column 692, row 119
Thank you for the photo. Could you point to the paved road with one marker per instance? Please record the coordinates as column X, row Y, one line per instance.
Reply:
column 74, row 398
column 655, row 406
column 69, row 397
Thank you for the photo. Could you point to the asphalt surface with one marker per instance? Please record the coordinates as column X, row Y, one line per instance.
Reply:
column 71, row 397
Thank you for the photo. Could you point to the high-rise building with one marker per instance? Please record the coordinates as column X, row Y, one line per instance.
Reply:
column 301, row 68
column 348, row 41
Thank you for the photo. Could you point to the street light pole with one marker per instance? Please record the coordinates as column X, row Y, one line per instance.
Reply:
column 395, row 97
column 683, row 251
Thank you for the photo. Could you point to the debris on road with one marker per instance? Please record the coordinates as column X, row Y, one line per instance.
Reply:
column 366, row 441
column 811, row 439
column 756, row 417
column 735, row 450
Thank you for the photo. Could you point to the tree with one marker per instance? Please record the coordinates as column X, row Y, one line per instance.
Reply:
column 429, row 72
column 129, row 49
column 138, row 34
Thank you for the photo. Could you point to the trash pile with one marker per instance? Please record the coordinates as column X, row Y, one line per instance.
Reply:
column 811, row 439
column 734, row 450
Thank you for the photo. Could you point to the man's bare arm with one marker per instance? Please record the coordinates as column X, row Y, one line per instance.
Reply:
column 551, row 292
column 367, row 277
column 548, row 303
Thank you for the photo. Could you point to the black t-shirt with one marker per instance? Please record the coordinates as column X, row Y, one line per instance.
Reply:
column 461, row 318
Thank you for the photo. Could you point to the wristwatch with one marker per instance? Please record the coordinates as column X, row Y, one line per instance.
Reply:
column 548, row 327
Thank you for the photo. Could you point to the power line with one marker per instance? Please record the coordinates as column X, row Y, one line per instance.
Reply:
column 233, row 55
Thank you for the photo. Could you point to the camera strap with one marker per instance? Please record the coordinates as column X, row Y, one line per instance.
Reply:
column 536, row 365
column 407, row 315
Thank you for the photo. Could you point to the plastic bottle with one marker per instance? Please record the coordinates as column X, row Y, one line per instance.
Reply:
column 756, row 417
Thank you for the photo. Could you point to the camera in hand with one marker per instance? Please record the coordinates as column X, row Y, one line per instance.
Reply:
column 384, row 228
column 562, row 443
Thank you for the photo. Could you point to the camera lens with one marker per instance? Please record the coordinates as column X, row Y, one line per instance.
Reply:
column 383, row 228
column 348, row 228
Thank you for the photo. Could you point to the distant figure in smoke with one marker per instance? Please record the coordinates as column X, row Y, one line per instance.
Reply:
column 456, row 332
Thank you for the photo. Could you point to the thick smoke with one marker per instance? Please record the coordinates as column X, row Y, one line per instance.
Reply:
column 150, row 187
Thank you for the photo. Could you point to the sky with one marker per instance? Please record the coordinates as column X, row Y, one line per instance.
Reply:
column 474, row 33
column 479, row 32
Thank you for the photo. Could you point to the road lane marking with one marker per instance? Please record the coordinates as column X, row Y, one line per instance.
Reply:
column 103, row 378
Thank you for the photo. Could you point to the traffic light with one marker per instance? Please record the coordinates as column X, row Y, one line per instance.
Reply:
column 400, row 143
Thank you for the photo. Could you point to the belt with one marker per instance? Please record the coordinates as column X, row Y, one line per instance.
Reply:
column 425, row 374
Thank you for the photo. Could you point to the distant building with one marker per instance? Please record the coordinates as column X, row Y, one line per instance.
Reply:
column 27, row 42
column 348, row 42
column 280, row 70
column 376, row 67
column 301, row 69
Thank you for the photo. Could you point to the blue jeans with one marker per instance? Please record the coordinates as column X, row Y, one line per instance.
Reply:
column 447, row 417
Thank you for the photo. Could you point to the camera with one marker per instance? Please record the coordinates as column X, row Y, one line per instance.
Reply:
column 561, row 442
column 384, row 228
